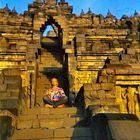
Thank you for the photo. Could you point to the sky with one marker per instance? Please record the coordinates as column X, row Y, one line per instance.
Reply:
column 117, row 7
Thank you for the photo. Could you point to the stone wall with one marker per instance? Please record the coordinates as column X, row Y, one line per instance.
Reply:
column 10, row 90
column 116, row 90
column 89, row 41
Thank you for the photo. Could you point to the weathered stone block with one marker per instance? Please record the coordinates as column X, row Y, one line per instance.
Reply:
column 131, row 51
column 11, row 72
column 13, row 103
column 110, row 71
column 27, row 117
column 131, row 129
column 94, row 95
column 69, row 122
column 101, row 94
column 107, row 71
column 107, row 101
column 111, row 79
column 103, row 79
column 15, row 93
column 1, row 79
column 122, row 71
column 51, row 123
column 110, row 94
column 24, row 124
column 14, row 87
column 128, row 83
column 5, row 95
column 47, row 116
column 87, row 86
column 64, row 110
column 134, row 71
column 107, row 86
column 73, row 132
column 103, row 72
column 126, row 58
column 96, row 86
column 88, row 94
column 3, row 87
column 33, row 111
column 33, row 134
column 36, row 123
column 12, row 79
column 128, row 77
column 95, row 102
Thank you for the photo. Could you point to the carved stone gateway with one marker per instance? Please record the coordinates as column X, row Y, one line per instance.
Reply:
column 95, row 58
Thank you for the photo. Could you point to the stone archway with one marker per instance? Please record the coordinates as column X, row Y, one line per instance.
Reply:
column 52, row 62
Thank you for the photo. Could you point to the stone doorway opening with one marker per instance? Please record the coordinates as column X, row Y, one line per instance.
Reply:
column 52, row 61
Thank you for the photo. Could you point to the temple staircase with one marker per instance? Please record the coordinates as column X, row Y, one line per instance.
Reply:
column 69, row 123
column 50, row 60
column 50, row 64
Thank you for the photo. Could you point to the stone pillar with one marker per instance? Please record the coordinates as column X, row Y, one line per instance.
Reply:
column 71, row 70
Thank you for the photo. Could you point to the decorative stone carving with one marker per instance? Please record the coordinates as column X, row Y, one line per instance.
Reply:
column 131, row 99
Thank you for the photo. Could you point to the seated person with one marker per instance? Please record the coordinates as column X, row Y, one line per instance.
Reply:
column 55, row 96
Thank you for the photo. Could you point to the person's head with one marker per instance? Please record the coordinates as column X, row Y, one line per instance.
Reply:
column 54, row 82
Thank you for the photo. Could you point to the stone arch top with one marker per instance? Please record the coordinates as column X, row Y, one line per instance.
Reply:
column 59, row 21
column 43, row 12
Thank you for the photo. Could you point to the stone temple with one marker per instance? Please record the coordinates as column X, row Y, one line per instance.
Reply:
column 96, row 60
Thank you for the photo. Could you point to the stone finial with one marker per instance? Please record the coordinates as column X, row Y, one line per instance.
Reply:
column 62, row 1
column 89, row 11
column 6, row 8
column 109, row 14
column 82, row 12
column 136, row 13
column 14, row 10
column 124, row 17
column 38, row 1
column 50, row 2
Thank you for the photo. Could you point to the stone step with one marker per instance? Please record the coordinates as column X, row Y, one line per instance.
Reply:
column 75, row 138
column 56, row 111
column 53, row 58
column 50, row 62
column 47, row 116
column 51, row 53
column 50, row 123
column 51, row 68
column 56, row 57
column 54, row 134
